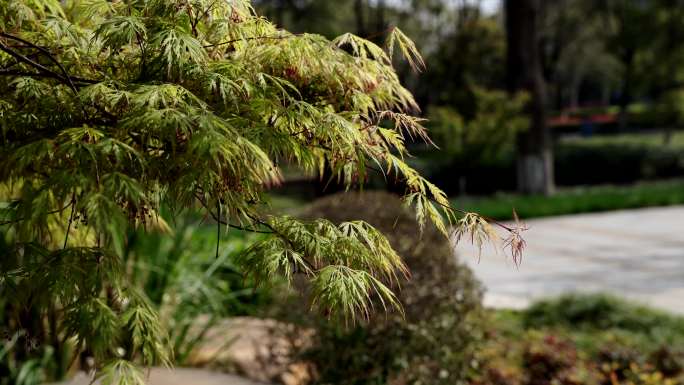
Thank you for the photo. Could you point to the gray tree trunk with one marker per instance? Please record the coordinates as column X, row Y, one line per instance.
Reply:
column 524, row 73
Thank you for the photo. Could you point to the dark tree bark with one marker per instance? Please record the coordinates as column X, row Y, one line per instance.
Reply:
column 626, row 90
column 380, row 23
column 524, row 73
column 279, row 16
column 359, row 8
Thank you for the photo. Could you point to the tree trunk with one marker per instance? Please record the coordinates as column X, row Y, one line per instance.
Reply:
column 380, row 24
column 575, row 91
column 359, row 17
column 626, row 92
column 279, row 16
column 524, row 73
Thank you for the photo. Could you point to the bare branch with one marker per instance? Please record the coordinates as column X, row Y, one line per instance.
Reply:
column 279, row 37
column 64, row 77
column 48, row 213
column 225, row 223
column 46, row 53
column 8, row 72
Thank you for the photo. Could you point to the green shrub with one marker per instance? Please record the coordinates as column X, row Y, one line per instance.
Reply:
column 581, row 339
column 550, row 359
column 488, row 133
column 434, row 342
column 600, row 159
column 481, row 143
column 615, row 161
column 668, row 360
column 618, row 361
column 601, row 312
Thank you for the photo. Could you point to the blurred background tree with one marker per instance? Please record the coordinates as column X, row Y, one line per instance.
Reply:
column 605, row 67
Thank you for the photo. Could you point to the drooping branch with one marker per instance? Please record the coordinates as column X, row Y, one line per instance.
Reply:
column 514, row 241
column 226, row 223
column 53, row 75
column 451, row 208
column 30, row 62
column 64, row 77
column 71, row 219
column 269, row 37
column 17, row 220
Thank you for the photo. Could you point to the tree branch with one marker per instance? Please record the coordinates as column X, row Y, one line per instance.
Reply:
column 23, row 219
column 252, row 38
column 71, row 219
column 461, row 211
column 30, row 62
column 8, row 72
column 64, row 77
column 226, row 223
column 46, row 53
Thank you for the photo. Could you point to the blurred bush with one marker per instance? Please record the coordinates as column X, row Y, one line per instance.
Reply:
column 602, row 160
column 583, row 199
column 434, row 342
column 617, row 159
column 581, row 339
column 668, row 360
column 601, row 312
column 617, row 361
column 550, row 359
column 670, row 109
column 488, row 133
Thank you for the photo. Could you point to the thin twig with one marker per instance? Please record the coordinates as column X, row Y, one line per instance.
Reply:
column 71, row 219
column 225, row 223
column 23, row 219
column 310, row 265
column 65, row 78
column 218, row 228
column 279, row 37
column 46, row 53
column 30, row 62
column 9, row 72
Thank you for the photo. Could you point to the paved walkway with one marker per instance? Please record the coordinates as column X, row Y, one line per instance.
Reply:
column 637, row 254
column 179, row 376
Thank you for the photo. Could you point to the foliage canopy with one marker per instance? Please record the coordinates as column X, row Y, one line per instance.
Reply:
column 111, row 110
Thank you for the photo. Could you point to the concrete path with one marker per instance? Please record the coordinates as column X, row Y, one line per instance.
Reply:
column 636, row 254
column 179, row 376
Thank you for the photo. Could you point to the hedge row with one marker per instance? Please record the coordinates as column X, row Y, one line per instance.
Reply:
column 601, row 160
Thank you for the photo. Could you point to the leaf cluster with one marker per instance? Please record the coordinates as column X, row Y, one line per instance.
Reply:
column 111, row 110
